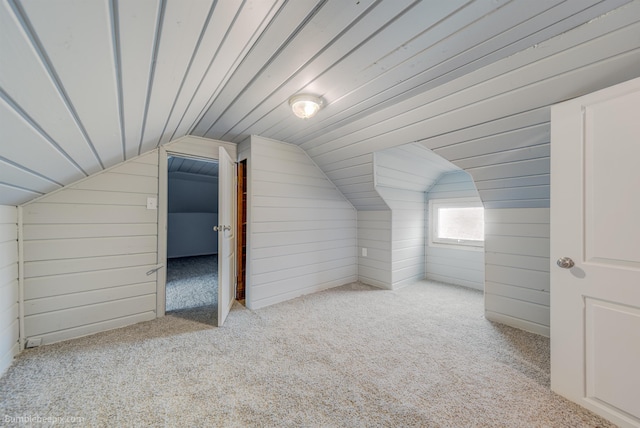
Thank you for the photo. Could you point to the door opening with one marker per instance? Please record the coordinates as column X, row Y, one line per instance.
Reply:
column 192, row 244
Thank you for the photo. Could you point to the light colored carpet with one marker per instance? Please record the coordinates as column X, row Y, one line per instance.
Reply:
column 353, row 356
column 192, row 282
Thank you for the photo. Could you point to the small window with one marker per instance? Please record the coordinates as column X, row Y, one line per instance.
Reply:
column 456, row 222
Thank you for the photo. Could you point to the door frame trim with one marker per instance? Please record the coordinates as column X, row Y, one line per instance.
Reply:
column 181, row 150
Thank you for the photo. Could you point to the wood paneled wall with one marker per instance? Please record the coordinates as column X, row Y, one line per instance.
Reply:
column 87, row 251
column 407, row 234
column 374, row 236
column 9, row 291
column 517, row 267
column 453, row 265
column 302, row 231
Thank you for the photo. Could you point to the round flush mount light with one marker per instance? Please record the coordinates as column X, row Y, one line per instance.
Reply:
column 305, row 106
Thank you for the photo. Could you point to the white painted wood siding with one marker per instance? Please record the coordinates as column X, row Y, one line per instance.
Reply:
column 510, row 165
column 87, row 249
column 355, row 179
column 402, row 176
column 9, row 298
column 453, row 265
column 374, row 235
column 494, row 121
column 407, row 234
column 517, row 267
column 302, row 234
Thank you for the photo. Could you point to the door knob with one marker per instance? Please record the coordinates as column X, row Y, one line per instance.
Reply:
column 565, row 263
column 221, row 228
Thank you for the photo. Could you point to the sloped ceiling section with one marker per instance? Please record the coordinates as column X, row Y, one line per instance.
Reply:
column 183, row 165
column 410, row 167
column 87, row 84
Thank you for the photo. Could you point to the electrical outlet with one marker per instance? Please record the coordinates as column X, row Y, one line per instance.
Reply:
column 364, row 252
column 33, row 342
column 152, row 203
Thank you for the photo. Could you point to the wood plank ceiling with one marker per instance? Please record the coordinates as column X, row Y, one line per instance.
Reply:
column 85, row 85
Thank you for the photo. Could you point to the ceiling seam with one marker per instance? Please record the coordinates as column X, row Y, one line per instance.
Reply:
column 483, row 137
column 487, row 122
column 490, row 165
column 24, row 189
column 277, row 53
column 152, row 70
column 27, row 27
column 225, row 79
column 309, row 61
column 117, row 58
column 337, row 124
column 204, row 76
column 30, row 171
column 496, row 152
column 457, row 108
column 187, row 71
column 22, row 113
column 405, row 94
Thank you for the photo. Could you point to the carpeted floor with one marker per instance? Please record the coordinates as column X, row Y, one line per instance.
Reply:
column 353, row 356
column 192, row 282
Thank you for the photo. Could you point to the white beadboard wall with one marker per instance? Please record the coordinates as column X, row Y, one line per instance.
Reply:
column 452, row 265
column 9, row 308
column 302, row 230
column 87, row 249
column 402, row 176
column 517, row 267
column 374, row 235
column 407, row 234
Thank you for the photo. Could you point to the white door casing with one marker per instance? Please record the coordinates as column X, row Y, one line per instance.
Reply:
column 595, row 221
column 226, row 235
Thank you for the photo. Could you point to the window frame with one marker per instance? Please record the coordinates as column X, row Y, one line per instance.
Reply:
column 434, row 204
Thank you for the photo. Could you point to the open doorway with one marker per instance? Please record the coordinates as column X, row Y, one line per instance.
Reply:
column 192, row 243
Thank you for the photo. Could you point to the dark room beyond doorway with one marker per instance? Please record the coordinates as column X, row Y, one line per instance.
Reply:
column 192, row 245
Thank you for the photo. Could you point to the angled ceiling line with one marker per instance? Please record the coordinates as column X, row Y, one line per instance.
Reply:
column 24, row 115
column 309, row 62
column 513, row 44
column 320, row 52
column 541, row 152
column 486, row 181
column 528, row 146
column 29, row 171
column 236, row 64
column 22, row 189
column 490, row 136
column 204, row 75
column 365, row 112
column 513, row 67
column 425, row 85
column 545, row 118
column 31, row 34
column 205, row 26
column 117, row 59
column 152, row 70
column 401, row 96
column 272, row 58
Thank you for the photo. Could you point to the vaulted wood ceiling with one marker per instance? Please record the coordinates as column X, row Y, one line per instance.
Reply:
column 88, row 84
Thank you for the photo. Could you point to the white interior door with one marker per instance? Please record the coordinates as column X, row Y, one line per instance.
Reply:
column 226, row 235
column 595, row 224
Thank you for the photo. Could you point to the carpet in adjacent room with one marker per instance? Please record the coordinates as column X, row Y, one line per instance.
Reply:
column 192, row 282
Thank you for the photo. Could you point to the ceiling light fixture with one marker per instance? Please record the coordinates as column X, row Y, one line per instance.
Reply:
column 305, row 106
